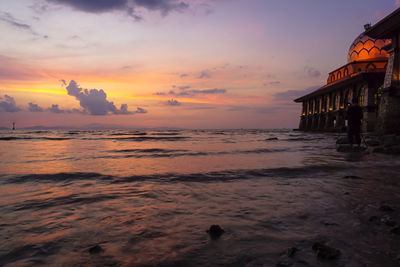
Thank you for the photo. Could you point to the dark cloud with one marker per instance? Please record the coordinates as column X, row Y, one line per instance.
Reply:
column 129, row 6
column 34, row 107
column 311, row 72
column 64, row 83
column 93, row 6
column 193, row 92
column 173, row 102
column 207, row 91
column 290, row 95
column 55, row 109
column 165, row 6
column 7, row 104
column 140, row 110
column 204, row 75
column 95, row 101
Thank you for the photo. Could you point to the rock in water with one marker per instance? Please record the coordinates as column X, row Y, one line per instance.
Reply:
column 353, row 177
column 272, row 139
column 342, row 141
column 373, row 142
column 325, row 252
column 291, row 251
column 386, row 208
column 215, row 231
column 395, row 230
column 95, row 249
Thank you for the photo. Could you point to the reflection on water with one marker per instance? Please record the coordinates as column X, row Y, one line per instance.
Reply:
column 122, row 153
column 93, row 199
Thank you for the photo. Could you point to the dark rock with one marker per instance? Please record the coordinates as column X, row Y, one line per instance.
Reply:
column 343, row 148
column 272, row 139
column 378, row 150
column 291, row 251
column 96, row 249
column 396, row 230
column 348, row 148
column 389, row 140
column 346, row 193
column 373, row 219
column 215, row 231
column 394, row 150
column 281, row 264
column 353, row 177
column 373, row 142
column 387, row 220
column 386, row 208
column 303, row 262
column 328, row 223
column 326, row 252
column 342, row 141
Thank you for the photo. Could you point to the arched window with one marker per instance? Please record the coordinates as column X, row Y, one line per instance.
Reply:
column 371, row 66
column 339, row 75
column 346, row 72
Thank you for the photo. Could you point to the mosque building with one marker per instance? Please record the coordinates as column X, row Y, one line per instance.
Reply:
column 371, row 76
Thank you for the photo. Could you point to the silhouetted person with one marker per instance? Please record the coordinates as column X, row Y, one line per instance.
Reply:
column 13, row 126
column 354, row 117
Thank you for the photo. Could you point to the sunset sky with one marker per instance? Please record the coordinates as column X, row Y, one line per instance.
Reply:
column 171, row 63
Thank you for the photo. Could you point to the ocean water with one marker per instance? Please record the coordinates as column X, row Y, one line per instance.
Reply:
column 146, row 198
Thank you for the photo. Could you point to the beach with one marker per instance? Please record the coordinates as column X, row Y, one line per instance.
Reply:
column 148, row 197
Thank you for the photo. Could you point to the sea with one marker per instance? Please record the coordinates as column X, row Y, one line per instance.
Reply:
column 148, row 197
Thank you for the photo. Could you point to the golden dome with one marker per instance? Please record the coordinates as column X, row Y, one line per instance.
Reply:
column 367, row 48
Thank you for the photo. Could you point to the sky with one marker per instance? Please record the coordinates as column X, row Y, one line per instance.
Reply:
column 171, row 63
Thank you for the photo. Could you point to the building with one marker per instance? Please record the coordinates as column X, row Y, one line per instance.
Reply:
column 371, row 76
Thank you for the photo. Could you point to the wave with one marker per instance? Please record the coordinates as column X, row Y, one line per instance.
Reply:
column 152, row 138
column 11, row 138
column 165, row 153
column 227, row 175
column 165, row 133
column 150, row 150
column 131, row 133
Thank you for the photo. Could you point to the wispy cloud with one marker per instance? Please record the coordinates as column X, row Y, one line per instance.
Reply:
column 272, row 83
column 205, row 75
column 11, row 21
column 311, row 72
column 290, row 95
column 193, row 92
